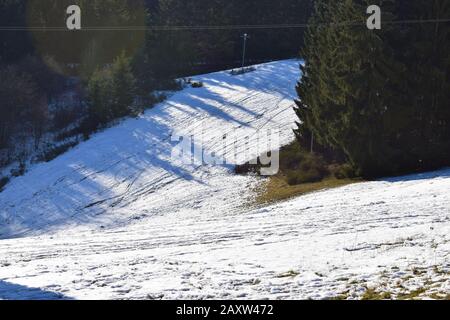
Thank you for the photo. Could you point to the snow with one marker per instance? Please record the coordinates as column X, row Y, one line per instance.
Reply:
column 119, row 218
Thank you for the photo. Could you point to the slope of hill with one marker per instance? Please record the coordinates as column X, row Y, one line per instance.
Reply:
column 118, row 217
column 128, row 171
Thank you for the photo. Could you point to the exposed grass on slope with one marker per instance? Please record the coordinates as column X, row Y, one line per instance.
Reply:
column 276, row 188
column 417, row 283
column 372, row 294
column 301, row 172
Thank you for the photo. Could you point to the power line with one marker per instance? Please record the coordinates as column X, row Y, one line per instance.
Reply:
column 159, row 28
column 219, row 27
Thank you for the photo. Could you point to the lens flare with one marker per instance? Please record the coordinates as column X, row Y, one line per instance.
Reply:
column 98, row 43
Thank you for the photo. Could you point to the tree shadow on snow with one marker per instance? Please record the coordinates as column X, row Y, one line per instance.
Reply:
column 131, row 159
column 12, row 291
column 443, row 173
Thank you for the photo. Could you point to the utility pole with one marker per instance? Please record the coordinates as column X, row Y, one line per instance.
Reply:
column 245, row 36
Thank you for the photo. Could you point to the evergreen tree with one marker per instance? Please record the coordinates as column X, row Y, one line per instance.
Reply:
column 368, row 95
column 122, row 87
column 111, row 92
column 99, row 90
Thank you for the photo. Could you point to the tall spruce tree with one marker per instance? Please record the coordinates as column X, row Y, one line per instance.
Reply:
column 122, row 86
column 362, row 92
column 111, row 92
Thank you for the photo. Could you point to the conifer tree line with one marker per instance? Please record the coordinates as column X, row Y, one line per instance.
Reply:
column 109, row 68
column 380, row 99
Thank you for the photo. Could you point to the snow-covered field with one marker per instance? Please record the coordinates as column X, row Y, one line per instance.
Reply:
column 119, row 218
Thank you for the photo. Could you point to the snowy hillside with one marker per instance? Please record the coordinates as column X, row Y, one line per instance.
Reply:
column 128, row 172
column 117, row 217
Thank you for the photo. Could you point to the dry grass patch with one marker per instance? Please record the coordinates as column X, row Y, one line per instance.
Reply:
column 276, row 188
